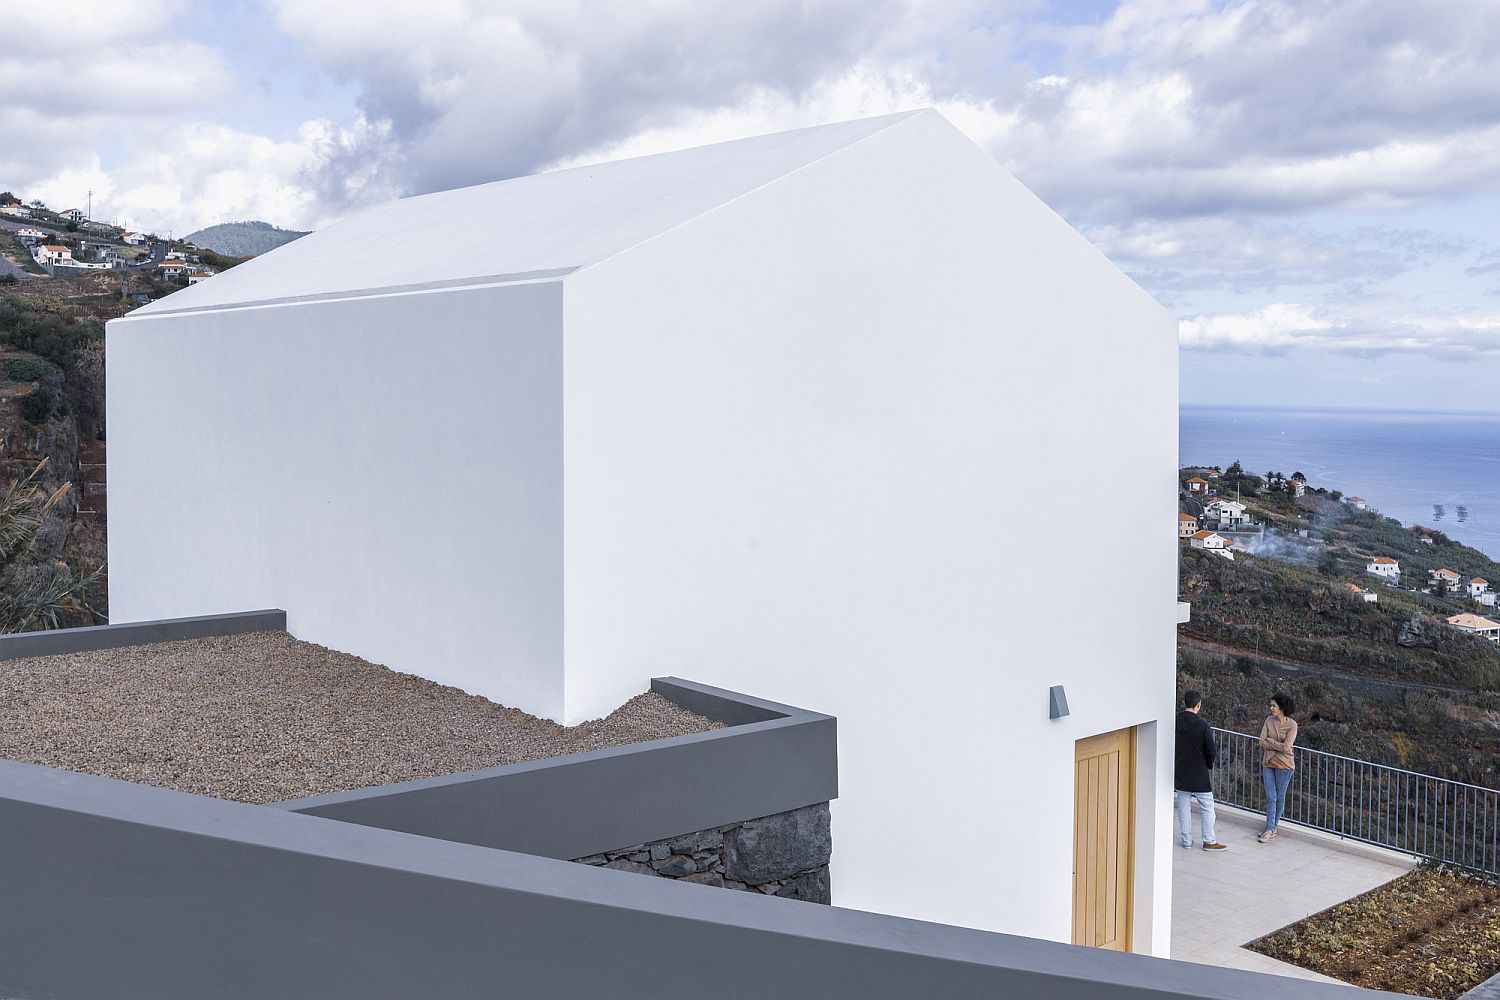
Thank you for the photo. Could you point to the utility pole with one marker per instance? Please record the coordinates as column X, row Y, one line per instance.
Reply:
column 91, row 204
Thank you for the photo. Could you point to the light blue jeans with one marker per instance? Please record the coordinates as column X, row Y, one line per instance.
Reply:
column 1277, row 779
column 1205, row 802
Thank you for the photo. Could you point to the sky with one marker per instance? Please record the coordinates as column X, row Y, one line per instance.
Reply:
column 1311, row 187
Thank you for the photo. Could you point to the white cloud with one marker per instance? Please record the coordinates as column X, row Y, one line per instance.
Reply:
column 1369, row 328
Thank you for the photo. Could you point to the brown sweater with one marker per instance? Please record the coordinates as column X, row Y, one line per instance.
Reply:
column 1276, row 739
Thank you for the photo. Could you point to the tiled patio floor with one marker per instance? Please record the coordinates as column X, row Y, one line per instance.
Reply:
column 1223, row 900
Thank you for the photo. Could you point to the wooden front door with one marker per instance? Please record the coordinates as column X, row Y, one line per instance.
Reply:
column 1103, row 839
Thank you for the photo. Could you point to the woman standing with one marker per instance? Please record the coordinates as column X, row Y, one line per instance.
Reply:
column 1277, row 734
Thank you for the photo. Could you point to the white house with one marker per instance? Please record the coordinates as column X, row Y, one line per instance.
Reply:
column 48, row 253
column 1478, row 587
column 72, row 214
column 748, row 413
column 197, row 276
column 1357, row 503
column 1476, row 625
column 1215, row 543
column 31, row 234
column 1363, row 593
column 170, row 269
column 1446, row 578
column 134, row 239
column 1187, row 525
column 1384, row 566
column 1197, row 484
column 1229, row 513
column 1298, row 487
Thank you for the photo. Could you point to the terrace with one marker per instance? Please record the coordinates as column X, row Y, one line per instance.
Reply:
column 1350, row 827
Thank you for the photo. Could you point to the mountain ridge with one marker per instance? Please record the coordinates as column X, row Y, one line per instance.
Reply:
column 242, row 239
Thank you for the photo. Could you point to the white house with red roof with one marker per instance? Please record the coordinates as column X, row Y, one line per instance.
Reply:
column 1214, row 542
column 1197, row 484
column 1448, row 579
column 133, row 239
column 1476, row 625
column 1478, row 586
column 1363, row 593
column 51, row 253
column 1384, row 567
column 1356, row 502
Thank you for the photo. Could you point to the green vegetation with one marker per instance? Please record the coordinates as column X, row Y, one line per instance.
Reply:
column 1299, row 614
column 37, row 405
column 11, row 246
column 46, row 329
column 242, row 239
column 28, row 369
column 36, row 592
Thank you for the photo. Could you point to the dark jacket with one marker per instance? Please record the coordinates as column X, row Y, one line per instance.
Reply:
column 1195, row 753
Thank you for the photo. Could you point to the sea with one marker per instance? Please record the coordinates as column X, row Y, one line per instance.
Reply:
column 1437, row 469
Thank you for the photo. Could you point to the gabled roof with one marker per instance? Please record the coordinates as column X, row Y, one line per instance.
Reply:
column 1204, row 534
column 1472, row 622
column 542, row 226
column 1383, row 561
column 1446, row 572
column 1187, row 517
column 1197, row 479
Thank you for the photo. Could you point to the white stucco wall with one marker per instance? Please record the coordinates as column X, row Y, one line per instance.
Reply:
column 773, row 447
column 387, row 469
column 793, row 433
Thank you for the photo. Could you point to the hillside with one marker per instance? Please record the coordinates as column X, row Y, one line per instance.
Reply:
column 242, row 239
column 1389, row 681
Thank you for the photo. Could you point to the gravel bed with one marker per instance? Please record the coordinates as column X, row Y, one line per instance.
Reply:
column 263, row 717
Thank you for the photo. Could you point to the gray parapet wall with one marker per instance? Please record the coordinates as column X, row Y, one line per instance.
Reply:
column 112, row 889
column 771, row 759
column 56, row 642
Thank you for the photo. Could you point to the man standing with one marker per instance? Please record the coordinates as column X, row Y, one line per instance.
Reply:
column 1195, row 758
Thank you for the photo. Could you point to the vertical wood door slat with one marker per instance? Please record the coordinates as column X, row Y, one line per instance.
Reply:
column 1103, row 840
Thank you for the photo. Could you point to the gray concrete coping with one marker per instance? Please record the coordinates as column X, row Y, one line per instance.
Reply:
column 112, row 889
column 58, row 642
column 772, row 758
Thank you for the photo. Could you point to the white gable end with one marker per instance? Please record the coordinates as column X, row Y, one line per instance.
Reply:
column 543, row 225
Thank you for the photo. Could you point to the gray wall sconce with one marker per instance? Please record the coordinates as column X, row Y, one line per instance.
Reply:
column 1057, row 702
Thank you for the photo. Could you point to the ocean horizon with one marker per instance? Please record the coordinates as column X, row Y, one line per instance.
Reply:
column 1436, row 468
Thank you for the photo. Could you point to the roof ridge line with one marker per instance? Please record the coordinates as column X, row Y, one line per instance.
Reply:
column 897, row 118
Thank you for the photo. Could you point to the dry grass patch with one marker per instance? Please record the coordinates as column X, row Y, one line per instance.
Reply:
column 1432, row 933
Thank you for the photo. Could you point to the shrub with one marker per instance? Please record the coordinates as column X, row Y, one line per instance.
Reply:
column 36, row 406
column 28, row 369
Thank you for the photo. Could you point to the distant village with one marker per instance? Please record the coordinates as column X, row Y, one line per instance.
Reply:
column 68, row 243
column 1223, row 526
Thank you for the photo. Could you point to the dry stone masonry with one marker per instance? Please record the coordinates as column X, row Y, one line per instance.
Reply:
column 783, row 855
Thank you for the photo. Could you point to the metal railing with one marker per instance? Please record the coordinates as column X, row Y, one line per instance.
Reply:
column 1417, row 814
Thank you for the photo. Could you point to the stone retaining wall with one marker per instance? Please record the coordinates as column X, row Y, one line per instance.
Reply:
column 782, row 855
